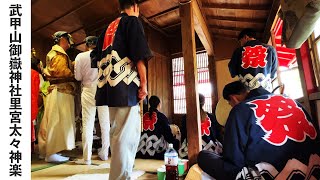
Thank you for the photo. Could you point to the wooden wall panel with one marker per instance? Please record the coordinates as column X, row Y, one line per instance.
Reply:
column 223, row 75
column 42, row 47
column 224, row 48
column 159, row 82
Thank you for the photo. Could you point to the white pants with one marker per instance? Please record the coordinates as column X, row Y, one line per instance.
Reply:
column 125, row 135
column 88, row 117
column 57, row 127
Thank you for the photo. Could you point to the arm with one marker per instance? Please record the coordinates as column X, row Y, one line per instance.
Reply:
column 138, row 52
column 234, row 63
column 58, row 67
column 166, row 131
column 77, row 69
column 142, row 71
column 216, row 128
column 235, row 141
column 95, row 54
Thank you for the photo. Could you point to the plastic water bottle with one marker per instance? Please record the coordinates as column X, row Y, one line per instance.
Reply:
column 171, row 162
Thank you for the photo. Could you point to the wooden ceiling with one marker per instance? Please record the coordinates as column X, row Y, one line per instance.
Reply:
column 224, row 18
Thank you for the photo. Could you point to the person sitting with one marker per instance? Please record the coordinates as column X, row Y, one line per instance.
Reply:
column 266, row 136
column 210, row 132
column 156, row 133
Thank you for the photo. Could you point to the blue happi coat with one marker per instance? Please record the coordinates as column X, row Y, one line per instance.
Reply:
column 118, row 50
column 272, row 136
column 155, row 136
column 255, row 64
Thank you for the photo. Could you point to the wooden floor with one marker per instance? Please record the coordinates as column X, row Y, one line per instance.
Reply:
column 47, row 171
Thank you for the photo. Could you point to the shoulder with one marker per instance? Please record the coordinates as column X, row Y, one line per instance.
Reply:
column 51, row 54
column 240, row 110
column 161, row 115
column 130, row 19
column 211, row 116
column 131, row 22
column 82, row 55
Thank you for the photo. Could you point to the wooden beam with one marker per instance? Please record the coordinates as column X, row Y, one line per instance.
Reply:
column 191, row 80
column 237, row 19
column 305, row 97
column 65, row 14
column 225, row 36
column 272, row 14
column 144, row 19
column 213, row 81
column 163, row 12
column 253, row 7
column 229, row 28
column 201, row 28
column 171, row 26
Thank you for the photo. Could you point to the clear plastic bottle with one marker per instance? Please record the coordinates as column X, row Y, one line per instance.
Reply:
column 171, row 162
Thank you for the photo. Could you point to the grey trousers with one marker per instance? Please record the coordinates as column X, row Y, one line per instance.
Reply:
column 124, row 138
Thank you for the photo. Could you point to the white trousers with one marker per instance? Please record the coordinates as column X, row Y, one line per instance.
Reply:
column 125, row 135
column 57, row 127
column 88, row 117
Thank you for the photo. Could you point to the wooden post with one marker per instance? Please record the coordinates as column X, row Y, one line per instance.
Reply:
column 191, row 82
column 306, row 101
column 213, row 81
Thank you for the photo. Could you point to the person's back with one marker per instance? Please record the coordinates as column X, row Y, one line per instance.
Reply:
column 266, row 136
column 268, row 131
column 156, row 133
column 255, row 63
column 119, row 87
column 89, row 79
column 87, row 75
column 121, row 55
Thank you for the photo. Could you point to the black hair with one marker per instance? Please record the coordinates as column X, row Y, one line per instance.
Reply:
column 154, row 101
column 34, row 63
column 236, row 87
column 125, row 4
column 249, row 32
column 202, row 99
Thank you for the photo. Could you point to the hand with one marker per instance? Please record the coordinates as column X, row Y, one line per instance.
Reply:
column 142, row 92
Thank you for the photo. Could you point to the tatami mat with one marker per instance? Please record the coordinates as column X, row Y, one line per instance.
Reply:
column 47, row 171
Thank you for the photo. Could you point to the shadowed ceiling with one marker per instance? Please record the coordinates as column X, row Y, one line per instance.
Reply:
column 224, row 18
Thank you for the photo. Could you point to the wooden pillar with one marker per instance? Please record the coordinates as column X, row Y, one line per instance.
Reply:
column 191, row 82
column 306, row 101
column 213, row 81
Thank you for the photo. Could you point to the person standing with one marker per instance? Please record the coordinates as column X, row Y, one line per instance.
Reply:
column 57, row 128
column 89, row 80
column 255, row 63
column 121, row 55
